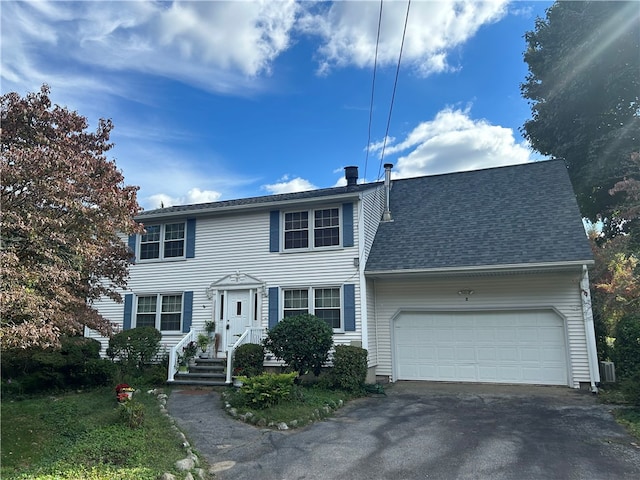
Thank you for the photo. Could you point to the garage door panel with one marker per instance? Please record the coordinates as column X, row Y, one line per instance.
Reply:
column 508, row 354
column 486, row 354
column 466, row 354
column 497, row 347
column 530, row 355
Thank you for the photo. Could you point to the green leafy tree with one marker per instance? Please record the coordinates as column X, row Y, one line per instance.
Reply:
column 64, row 205
column 584, row 91
column 302, row 341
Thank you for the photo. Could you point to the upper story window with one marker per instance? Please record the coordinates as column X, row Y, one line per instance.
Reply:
column 324, row 228
column 163, row 241
column 163, row 312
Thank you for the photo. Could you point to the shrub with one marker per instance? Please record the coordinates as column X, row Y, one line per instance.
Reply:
column 76, row 363
column 136, row 347
column 349, row 370
column 264, row 391
column 626, row 349
column 630, row 387
column 248, row 360
column 303, row 342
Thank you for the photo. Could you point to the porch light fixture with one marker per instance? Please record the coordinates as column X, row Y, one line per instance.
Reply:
column 466, row 292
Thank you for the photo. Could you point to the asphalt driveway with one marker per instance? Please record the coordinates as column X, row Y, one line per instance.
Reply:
column 422, row 430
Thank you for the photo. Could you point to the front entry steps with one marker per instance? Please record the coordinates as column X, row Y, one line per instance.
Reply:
column 205, row 372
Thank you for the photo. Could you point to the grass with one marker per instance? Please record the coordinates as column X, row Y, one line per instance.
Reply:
column 630, row 419
column 623, row 394
column 85, row 436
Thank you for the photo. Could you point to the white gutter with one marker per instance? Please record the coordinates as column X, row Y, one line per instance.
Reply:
column 516, row 267
column 587, row 314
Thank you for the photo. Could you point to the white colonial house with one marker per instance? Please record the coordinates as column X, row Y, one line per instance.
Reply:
column 478, row 276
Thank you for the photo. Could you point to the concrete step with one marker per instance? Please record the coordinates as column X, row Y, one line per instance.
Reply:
column 199, row 383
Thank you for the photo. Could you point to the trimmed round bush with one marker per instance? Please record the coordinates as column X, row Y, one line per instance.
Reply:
column 248, row 360
column 136, row 347
column 349, row 370
column 303, row 342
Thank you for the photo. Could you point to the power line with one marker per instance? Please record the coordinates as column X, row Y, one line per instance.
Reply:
column 373, row 86
column 395, row 84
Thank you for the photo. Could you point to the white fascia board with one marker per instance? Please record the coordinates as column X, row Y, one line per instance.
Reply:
column 484, row 269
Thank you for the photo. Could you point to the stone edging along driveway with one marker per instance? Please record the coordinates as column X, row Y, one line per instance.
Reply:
column 422, row 430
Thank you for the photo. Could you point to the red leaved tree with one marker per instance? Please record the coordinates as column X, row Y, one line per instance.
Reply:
column 64, row 205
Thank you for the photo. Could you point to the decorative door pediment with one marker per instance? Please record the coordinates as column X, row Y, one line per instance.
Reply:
column 235, row 281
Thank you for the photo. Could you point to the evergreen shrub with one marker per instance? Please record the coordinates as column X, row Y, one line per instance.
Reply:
column 136, row 347
column 302, row 341
column 248, row 360
column 349, row 370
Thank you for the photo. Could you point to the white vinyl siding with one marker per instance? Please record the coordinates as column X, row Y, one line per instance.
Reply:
column 372, row 209
column 240, row 243
column 558, row 291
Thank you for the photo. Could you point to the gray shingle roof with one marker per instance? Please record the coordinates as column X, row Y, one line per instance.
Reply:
column 523, row 214
column 254, row 202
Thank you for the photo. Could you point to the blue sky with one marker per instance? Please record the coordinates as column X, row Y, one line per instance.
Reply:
column 221, row 100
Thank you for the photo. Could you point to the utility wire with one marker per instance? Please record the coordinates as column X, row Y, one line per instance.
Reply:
column 395, row 84
column 373, row 88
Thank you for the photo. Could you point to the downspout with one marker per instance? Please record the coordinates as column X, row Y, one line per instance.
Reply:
column 589, row 330
column 361, row 261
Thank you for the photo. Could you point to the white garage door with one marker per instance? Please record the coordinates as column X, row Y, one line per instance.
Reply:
column 495, row 347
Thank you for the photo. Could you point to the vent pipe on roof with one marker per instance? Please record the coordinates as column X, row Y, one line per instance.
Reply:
column 386, row 216
column 351, row 174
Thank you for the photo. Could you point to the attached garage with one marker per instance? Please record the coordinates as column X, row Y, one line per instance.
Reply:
column 482, row 277
column 526, row 346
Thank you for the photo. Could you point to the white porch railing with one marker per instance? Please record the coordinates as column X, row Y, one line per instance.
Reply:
column 250, row 335
column 192, row 336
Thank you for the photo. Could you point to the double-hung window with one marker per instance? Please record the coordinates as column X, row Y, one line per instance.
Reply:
column 163, row 312
column 163, row 241
column 312, row 228
column 321, row 302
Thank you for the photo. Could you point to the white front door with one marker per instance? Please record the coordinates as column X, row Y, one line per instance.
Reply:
column 237, row 315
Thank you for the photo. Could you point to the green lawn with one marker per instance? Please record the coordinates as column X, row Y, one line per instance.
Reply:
column 84, row 436
column 630, row 419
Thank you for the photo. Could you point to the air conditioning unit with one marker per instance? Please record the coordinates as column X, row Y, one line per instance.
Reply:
column 607, row 372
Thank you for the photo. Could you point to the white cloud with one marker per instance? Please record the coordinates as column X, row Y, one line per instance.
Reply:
column 217, row 46
column 349, row 31
column 454, row 142
column 193, row 196
column 286, row 185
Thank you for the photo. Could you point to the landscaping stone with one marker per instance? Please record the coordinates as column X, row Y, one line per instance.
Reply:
column 185, row 464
